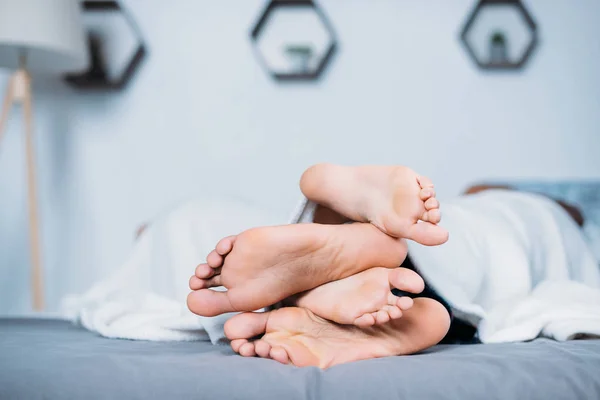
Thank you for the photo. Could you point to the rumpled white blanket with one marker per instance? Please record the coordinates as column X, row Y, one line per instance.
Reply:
column 145, row 299
column 516, row 266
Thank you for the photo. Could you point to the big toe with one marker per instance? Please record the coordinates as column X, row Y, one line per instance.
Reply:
column 209, row 303
column 406, row 280
column 246, row 325
column 427, row 234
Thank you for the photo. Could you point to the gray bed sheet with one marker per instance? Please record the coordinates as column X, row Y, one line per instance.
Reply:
column 49, row 359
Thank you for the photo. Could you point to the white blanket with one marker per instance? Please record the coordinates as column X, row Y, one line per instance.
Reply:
column 145, row 298
column 517, row 266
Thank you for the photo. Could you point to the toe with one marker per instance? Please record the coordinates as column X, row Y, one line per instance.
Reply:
column 225, row 245
column 279, row 354
column 406, row 280
column 427, row 193
column 424, row 182
column 246, row 325
column 209, row 303
column 247, row 350
column 214, row 259
column 393, row 311
column 382, row 317
column 427, row 234
column 196, row 283
column 374, row 315
column 237, row 343
column 204, row 271
column 404, row 303
column 365, row 321
column 262, row 348
column 432, row 203
column 434, row 216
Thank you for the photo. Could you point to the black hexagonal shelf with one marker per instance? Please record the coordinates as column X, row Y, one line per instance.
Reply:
column 97, row 77
column 307, row 65
column 497, row 41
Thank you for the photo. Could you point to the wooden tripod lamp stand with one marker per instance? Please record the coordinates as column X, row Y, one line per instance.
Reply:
column 37, row 37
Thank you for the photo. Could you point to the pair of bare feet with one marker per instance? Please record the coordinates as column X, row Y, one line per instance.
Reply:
column 336, row 278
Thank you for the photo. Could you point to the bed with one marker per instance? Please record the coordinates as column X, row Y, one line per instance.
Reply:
column 53, row 359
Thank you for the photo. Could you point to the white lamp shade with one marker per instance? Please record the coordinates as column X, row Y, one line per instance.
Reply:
column 49, row 33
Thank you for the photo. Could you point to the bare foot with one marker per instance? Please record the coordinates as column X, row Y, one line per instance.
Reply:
column 263, row 266
column 296, row 336
column 364, row 299
column 393, row 198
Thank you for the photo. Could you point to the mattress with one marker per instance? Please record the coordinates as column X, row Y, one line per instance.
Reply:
column 53, row 359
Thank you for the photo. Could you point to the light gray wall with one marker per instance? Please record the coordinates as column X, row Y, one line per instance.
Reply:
column 203, row 117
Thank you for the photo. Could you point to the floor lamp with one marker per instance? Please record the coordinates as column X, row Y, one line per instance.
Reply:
column 37, row 37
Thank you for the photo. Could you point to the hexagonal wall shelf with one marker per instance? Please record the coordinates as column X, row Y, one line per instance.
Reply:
column 116, row 47
column 500, row 35
column 293, row 40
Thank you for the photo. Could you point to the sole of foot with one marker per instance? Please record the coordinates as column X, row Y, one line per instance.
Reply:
column 364, row 299
column 395, row 199
column 297, row 336
column 263, row 266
